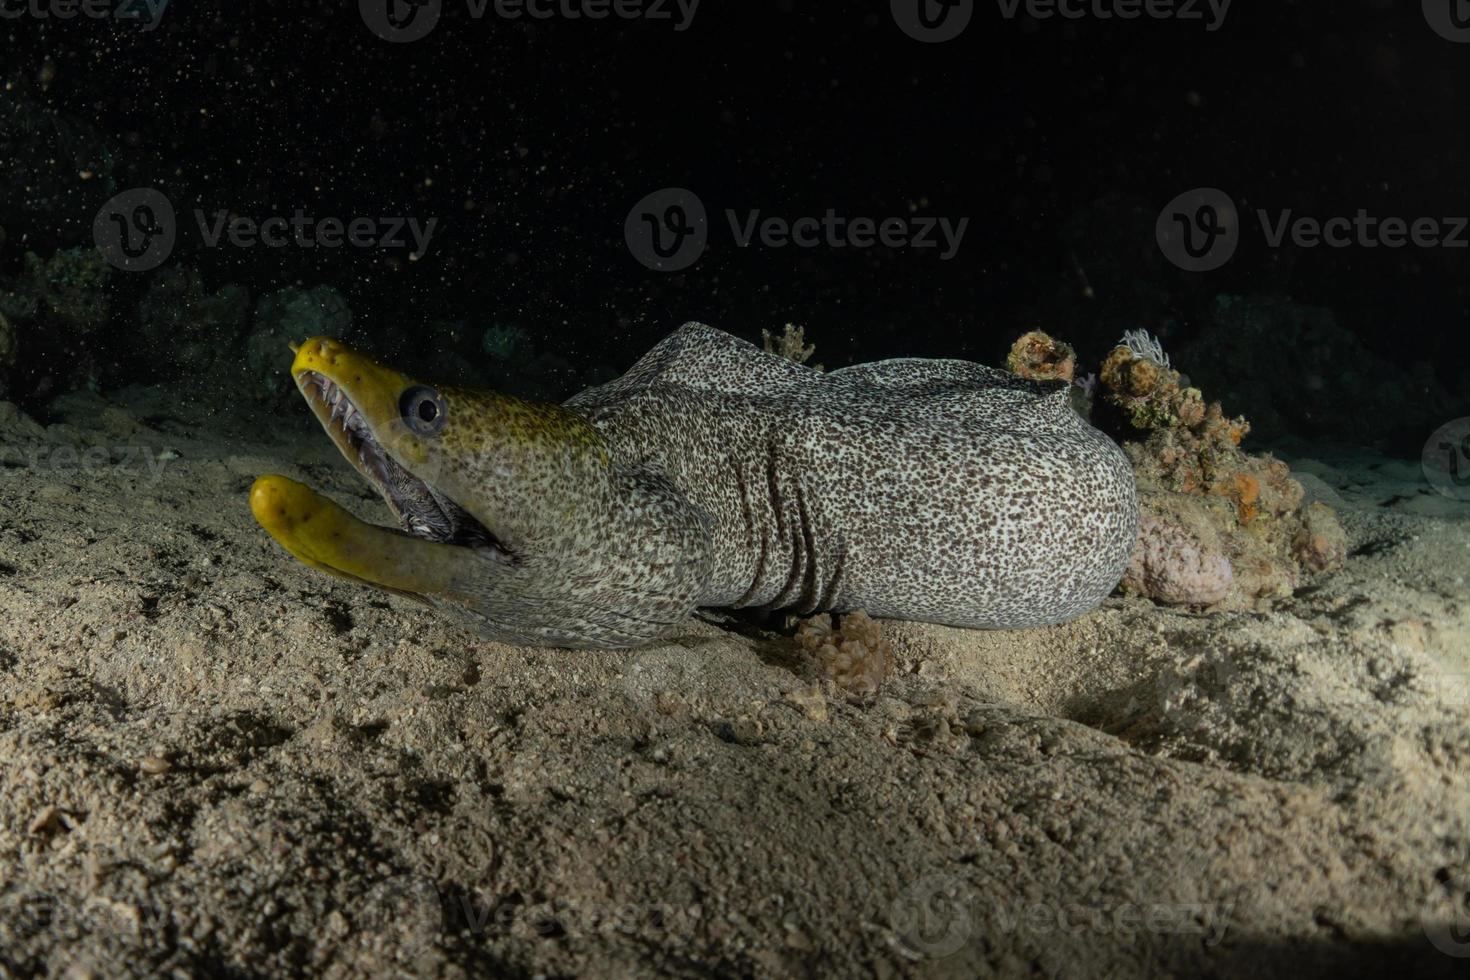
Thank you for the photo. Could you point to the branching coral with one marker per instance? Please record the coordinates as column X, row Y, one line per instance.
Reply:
column 791, row 344
column 855, row 657
column 1145, row 346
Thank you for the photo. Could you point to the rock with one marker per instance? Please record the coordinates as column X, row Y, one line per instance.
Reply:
column 288, row 316
column 1333, row 385
column 190, row 330
column 1176, row 564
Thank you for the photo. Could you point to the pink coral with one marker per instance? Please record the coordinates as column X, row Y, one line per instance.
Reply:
column 1171, row 565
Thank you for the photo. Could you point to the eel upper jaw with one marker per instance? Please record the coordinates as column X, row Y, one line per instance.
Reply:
column 422, row 511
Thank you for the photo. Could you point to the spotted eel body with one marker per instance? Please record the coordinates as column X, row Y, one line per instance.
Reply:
column 937, row 490
column 714, row 474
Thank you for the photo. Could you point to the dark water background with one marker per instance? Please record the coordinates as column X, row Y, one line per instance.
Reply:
column 530, row 140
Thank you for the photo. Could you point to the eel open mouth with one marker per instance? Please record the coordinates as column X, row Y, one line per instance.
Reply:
column 421, row 510
column 437, row 546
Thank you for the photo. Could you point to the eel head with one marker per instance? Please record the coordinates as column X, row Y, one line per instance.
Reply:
column 499, row 502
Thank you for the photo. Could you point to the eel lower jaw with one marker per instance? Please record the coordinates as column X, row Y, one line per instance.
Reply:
column 422, row 511
column 325, row 536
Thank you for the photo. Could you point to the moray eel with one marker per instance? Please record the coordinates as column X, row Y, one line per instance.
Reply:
column 714, row 474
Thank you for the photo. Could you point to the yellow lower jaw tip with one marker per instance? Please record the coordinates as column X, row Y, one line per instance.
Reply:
column 327, row 537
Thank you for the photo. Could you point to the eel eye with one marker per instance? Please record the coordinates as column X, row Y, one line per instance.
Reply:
column 422, row 409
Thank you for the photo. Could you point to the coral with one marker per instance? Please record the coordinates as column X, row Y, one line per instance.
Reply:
column 1178, row 564
column 191, row 330
column 855, row 657
column 8, row 347
column 1204, row 500
column 71, row 288
column 1038, row 357
column 289, row 315
column 791, row 344
column 9, row 343
column 1320, row 543
column 61, row 304
column 1145, row 347
column 1151, row 395
column 503, row 340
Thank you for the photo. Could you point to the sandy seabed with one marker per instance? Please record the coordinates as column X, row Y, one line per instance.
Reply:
column 214, row 760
